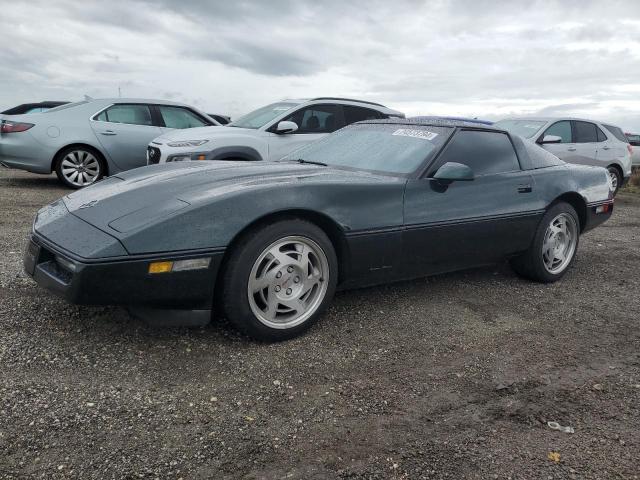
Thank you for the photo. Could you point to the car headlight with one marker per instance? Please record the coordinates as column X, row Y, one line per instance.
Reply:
column 187, row 143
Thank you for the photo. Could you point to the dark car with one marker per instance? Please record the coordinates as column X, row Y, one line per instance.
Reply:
column 32, row 108
column 462, row 119
column 268, row 243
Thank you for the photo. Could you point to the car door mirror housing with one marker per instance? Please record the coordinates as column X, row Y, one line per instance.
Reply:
column 453, row 172
column 551, row 139
column 286, row 127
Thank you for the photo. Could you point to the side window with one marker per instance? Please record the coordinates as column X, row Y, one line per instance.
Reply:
column 358, row 114
column 485, row 153
column 601, row 136
column 179, row 117
column 560, row 129
column 133, row 114
column 585, row 132
column 316, row 119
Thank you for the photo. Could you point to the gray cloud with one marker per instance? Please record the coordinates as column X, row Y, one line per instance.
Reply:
column 462, row 57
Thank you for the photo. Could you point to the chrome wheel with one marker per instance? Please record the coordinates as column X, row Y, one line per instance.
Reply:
column 288, row 282
column 80, row 168
column 559, row 245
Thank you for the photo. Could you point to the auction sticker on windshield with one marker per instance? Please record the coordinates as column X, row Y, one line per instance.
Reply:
column 423, row 134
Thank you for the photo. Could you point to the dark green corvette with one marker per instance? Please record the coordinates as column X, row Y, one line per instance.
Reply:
column 267, row 244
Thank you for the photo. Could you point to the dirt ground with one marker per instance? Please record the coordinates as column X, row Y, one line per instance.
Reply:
column 448, row 377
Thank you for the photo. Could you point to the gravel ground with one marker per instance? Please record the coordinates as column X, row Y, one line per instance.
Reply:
column 448, row 377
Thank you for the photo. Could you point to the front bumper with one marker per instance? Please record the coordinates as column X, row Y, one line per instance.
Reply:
column 121, row 281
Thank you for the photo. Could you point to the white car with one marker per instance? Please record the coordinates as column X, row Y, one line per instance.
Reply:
column 576, row 140
column 269, row 133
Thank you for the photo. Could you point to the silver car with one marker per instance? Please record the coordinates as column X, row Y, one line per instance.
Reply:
column 87, row 140
column 580, row 141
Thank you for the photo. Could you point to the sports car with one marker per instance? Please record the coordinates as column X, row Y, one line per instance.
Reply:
column 266, row 244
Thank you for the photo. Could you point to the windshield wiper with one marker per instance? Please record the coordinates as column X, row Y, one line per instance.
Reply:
column 310, row 162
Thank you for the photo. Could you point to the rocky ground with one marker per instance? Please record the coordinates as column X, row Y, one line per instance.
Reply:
column 449, row 377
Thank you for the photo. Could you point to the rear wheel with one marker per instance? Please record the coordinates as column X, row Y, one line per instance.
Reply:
column 616, row 178
column 279, row 279
column 554, row 246
column 78, row 167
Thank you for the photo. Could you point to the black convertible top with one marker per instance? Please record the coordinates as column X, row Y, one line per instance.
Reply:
column 531, row 155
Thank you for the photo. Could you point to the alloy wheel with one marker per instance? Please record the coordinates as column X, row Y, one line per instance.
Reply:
column 288, row 282
column 560, row 240
column 80, row 168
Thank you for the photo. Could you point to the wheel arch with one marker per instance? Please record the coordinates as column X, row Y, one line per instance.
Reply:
column 320, row 220
column 619, row 168
column 101, row 156
column 578, row 202
column 237, row 152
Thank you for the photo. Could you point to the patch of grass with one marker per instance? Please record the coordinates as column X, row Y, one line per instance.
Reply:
column 634, row 183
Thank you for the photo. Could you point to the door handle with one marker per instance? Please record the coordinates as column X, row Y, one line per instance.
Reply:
column 606, row 148
column 572, row 149
column 108, row 132
column 525, row 188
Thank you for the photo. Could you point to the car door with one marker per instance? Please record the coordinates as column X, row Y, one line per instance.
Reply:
column 566, row 148
column 607, row 149
column 176, row 117
column 475, row 222
column 585, row 137
column 314, row 122
column 125, row 130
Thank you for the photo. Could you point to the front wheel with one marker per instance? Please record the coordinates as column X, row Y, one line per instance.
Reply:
column 79, row 167
column 554, row 246
column 279, row 279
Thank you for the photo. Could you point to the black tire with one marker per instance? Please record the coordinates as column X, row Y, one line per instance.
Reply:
column 79, row 152
column 531, row 264
column 234, row 297
column 613, row 171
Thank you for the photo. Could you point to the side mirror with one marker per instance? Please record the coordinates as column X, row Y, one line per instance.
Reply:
column 453, row 172
column 286, row 127
column 551, row 139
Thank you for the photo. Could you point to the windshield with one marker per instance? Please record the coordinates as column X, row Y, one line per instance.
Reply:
column 262, row 116
column 524, row 128
column 389, row 148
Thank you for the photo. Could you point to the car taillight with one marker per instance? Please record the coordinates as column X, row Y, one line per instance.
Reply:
column 8, row 126
column 630, row 148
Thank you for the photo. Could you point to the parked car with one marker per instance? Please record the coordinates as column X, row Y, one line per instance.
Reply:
column 221, row 119
column 268, row 243
column 32, row 108
column 464, row 119
column 268, row 133
column 87, row 140
column 634, row 141
column 574, row 140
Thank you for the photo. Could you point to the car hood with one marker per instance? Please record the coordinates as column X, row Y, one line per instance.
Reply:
column 136, row 198
column 202, row 133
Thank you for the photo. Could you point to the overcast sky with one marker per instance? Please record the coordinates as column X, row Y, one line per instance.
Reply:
column 476, row 58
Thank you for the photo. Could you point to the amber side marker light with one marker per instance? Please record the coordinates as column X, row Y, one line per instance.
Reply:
column 202, row 157
column 160, row 267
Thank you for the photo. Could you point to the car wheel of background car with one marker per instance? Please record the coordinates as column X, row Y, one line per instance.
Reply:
column 614, row 175
column 79, row 167
column 554, row 246
column 278, row 279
